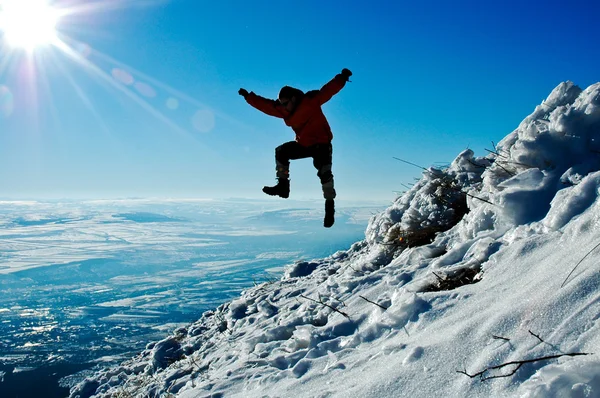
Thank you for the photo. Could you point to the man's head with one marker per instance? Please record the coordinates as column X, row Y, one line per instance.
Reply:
column 289, row 97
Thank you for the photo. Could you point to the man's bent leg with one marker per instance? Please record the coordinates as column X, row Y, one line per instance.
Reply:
column 286, row 152
column 283, row 154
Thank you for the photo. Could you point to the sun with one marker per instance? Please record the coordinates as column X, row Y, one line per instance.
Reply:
column 28, row 24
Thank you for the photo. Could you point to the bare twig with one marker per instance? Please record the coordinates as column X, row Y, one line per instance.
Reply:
column 478, row 198
column 439, row 277
column 374, row 303
column 412, row 164
column 580, row 261
column 498, row 163
column 494, row 152
column 450, row 186
column 476, row 164
column 508, row 161
column 500, row 338
column 335, row 298
column 518, row 365
column 544, row 342
column 326, row 305
column 536, row 336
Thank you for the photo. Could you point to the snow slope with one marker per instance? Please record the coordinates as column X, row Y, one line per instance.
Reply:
column 464, row 272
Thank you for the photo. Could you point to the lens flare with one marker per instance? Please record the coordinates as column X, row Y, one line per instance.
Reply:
column 145, row 89
column 204, row 121
column 172, row 103
column 6, row 102
column 123, row 76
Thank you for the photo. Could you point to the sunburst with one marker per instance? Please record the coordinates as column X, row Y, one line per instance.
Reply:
column 34, row 42
column 28, row 24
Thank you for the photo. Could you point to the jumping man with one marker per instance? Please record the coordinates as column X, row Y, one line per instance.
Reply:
column 302, row 112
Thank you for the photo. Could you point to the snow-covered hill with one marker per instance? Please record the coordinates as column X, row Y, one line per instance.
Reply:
column 462, row 275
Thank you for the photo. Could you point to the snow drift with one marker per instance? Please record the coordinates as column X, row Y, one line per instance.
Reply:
column 455, row 290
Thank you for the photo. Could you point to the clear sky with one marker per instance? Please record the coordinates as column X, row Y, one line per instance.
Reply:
column 139, row 98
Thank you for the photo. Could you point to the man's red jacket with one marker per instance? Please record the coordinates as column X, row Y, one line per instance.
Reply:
column 307, row 120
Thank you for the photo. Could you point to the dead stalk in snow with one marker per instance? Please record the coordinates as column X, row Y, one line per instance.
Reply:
column 499, row 164
column 510, row 161
column 518, row 364
column 450, row 186
column 481, row 166
column 326, row 305
column 580, row 261
column 374, row 303
column 536, row 336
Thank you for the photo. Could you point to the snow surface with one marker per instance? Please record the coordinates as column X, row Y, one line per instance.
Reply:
column 372, row 321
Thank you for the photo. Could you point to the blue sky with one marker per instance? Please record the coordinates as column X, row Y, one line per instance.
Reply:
column 141, row 100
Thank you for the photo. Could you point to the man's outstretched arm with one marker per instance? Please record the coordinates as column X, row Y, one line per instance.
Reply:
column 334, row 86
column 265, row 105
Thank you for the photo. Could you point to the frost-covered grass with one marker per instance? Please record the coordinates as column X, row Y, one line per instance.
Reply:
column 366, row 322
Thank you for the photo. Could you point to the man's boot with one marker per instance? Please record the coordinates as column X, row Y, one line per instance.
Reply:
column 282, row 188
column 329, row 213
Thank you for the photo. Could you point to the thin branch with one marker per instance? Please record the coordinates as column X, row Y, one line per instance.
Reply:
column 536, row 336
column 518, row 363
column 544, row 342
column 498, row 163
column 500, row 338
column 326, row 305
column 443, row 176
column 412, row 164
column 439, row 277
column 476, row 197
column 508, row 161
column 335, row 298
column 580, row 261
column 495, row 153
column 457, row 189
column 476, row 164
column 372, row 302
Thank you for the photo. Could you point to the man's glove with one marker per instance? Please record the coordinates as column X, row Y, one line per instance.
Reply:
column 346, row 74
column 243, row 92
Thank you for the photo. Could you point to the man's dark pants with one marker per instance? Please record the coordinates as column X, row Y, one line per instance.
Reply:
column 322, row 159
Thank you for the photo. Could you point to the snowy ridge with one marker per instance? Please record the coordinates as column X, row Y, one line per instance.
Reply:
column 443, row 283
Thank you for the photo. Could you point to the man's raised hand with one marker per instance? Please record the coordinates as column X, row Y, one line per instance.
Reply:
column 346, row 74
column 243, row 92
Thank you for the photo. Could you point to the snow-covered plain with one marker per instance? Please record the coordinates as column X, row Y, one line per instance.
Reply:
column 84, row 283
column 445, row 286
